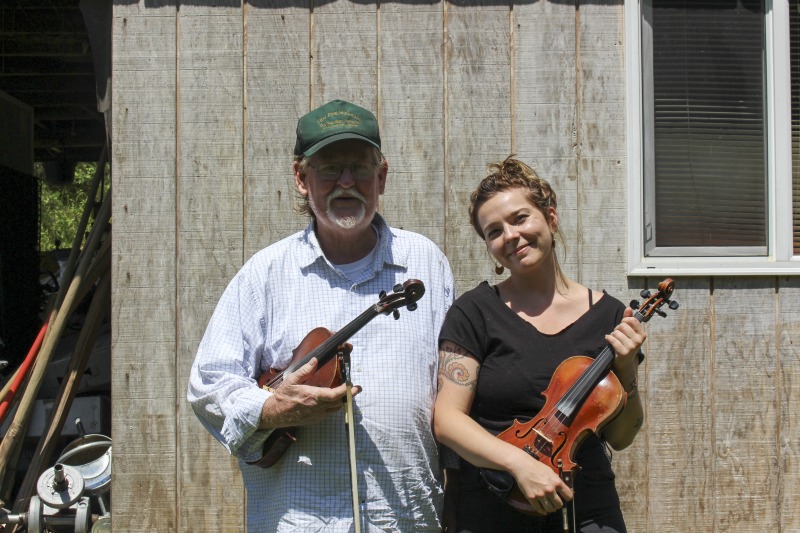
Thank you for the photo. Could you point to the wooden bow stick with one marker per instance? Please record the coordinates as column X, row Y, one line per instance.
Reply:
column 349, row 421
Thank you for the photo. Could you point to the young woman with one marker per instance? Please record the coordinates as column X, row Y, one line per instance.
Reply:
column 498, row 349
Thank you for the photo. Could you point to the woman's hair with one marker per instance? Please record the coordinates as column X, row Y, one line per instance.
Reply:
column 514, row 174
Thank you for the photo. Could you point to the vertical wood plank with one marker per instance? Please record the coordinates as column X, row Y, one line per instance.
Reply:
column 278, row 75
column 477, row 122
column 412, row 115
column 210, row 238
column 600, row 146
column 345, row 44
column 143, row 302
column 788, row 389
column 745, row 405
column 672, row 485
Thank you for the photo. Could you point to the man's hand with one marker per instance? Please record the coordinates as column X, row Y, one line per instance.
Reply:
column 296, row 404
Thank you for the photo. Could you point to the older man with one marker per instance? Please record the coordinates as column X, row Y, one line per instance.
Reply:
column 326, row 276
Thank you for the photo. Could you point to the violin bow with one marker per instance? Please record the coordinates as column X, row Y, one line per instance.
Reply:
column 564, row 512
column 349, row 422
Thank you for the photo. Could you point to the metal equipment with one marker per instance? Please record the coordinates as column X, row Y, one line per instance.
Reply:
column 65, row 491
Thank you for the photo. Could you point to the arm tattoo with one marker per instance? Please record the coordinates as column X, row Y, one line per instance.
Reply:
column 452, row 369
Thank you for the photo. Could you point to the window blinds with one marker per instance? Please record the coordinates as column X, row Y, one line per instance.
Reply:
column 708, row 124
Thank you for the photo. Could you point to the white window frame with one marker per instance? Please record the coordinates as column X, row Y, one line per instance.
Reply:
column 779, row 260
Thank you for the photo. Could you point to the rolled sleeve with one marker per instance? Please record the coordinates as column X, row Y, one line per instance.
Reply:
column 222, row 390
column 229, row 407
column 240, row 429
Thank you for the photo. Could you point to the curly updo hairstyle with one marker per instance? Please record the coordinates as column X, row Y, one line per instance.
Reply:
column 514, row 174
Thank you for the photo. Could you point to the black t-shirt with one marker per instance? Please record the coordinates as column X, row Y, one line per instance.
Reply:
column 517, row 363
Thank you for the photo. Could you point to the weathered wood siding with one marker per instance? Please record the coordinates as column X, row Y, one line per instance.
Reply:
column 206, row 98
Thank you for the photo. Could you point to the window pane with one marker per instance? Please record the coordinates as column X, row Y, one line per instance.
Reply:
column 794, row 36
column 708, row 124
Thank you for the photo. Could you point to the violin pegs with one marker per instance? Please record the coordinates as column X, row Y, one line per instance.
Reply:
column 659, row 312
column 397, row 288
column 396, row 314
column 645, row 294
column 412, row 306
column 634, row 304
column 382, row 295
column 673, row 305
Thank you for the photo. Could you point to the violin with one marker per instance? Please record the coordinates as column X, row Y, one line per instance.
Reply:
column 332, row 352
column 583, row 396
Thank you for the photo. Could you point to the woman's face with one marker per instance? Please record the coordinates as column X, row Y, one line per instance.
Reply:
column 517, row 233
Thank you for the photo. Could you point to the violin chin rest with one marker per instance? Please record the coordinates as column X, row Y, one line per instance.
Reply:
column 499, row 482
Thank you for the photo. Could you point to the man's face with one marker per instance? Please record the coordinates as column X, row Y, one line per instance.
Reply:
column 343, row 182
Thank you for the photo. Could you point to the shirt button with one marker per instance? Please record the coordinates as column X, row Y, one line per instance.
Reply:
column 358, row 368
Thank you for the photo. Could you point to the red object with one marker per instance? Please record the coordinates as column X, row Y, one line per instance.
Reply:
column 23, row 371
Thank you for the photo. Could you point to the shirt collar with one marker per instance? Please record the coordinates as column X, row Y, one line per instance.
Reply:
column 385, row 254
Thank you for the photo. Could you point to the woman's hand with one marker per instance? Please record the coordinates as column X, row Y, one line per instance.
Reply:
column 627, row 339
column 543, row 488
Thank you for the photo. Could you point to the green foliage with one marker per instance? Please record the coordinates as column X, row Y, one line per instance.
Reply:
column 61, row 208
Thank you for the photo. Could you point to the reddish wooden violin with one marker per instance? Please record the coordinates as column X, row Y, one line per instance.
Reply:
column 583, row 397
column 332, row 352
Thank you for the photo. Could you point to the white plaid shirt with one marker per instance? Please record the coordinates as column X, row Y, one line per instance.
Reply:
column 276, row 299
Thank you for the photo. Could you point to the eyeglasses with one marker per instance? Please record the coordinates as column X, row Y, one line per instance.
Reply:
column 360, row 170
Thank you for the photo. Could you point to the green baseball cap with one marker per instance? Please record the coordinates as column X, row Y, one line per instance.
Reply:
column 335, row 121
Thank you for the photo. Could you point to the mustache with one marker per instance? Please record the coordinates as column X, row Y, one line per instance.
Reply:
column 339, row 192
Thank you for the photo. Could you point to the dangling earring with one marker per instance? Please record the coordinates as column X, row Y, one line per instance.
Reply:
column 499, row 269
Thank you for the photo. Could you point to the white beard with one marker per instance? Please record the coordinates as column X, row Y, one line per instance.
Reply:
column 347, row 222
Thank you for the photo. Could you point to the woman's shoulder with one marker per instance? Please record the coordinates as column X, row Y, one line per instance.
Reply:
column 476, row 295
column 610, row 302
column 608, row 308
